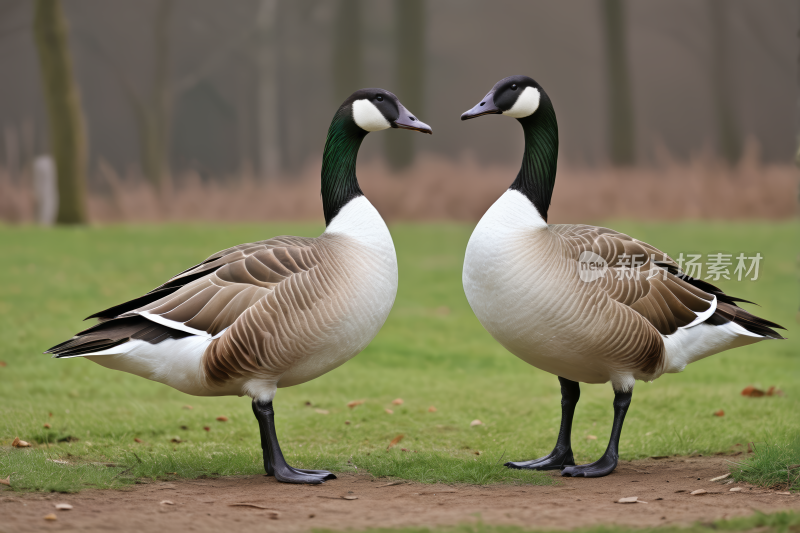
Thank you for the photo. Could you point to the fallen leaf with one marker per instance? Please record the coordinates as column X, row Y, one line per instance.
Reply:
column 3, row 363
column 772, row 391
column 349, row 497
column 6, row 481
column 681, row 490
column 784, row 493
column 322, row 411
column 137, row 439
column 389, row 411
column 720, row 478
column 629, row 499
column 591, row 437
column 355, row 403
column 50, row 516
column 167, row 502
column 403, row 449
column 307, row 404
column 207, row 428
column 392, row 484
column 272, row 513
column 222, row 419
column 475, row 422
column 397, row 401
column 47, row 426
column 20, row 443
column 431, row 409
column 59, row 461
column 736, row 489
column 176, row 440
column 184, row 428
column 395, row 440
column 476, row 452
column 188, row 407
column 698, row 492
column 719, row 413
column 346, row 422
column 63, row 507
column 752, row 392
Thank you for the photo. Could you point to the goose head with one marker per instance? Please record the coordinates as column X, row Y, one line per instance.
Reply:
column 516, row 96
column 379, row 109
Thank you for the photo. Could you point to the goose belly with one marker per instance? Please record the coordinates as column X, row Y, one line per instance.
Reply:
column 359, row 317
column 516, row 280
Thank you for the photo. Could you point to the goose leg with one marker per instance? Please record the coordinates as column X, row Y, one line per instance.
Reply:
column 562, row 453
column 608, row 462
column 274, row 463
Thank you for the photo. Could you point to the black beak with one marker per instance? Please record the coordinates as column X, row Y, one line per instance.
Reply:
column 407, row 121
column 485, row 107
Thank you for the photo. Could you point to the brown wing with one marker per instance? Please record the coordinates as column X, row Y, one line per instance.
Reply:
column 209, row 297
column 641, row 277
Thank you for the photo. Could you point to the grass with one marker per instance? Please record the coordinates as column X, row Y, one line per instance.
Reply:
column 782, row 522
column 431, row 352
column 774, row 464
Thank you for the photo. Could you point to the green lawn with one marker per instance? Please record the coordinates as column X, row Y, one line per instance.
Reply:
column 431, row 352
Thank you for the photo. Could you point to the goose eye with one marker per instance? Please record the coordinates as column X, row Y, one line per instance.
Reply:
column 514, row 87
column 379, row 98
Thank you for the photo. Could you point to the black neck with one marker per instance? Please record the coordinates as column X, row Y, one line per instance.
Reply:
column 537, row 176
column 339, row 182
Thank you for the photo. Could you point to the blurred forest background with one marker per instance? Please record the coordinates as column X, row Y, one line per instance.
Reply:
column 207, row 110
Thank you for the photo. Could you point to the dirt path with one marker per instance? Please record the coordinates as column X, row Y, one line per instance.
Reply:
column 205, row 505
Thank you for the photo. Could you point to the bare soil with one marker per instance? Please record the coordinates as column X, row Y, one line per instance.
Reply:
column 209, row 504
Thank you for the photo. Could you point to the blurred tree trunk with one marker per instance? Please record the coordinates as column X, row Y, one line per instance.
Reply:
column 155, row 117
column 728, row 133
column 65, row 114
column 409, row 45
column 620, row 94
column 268, row 112
column 347, row 53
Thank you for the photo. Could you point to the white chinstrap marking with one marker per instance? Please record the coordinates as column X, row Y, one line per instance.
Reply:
column 526, row 105
column 368, row 117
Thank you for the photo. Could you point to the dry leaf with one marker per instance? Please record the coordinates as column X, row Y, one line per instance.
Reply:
column 322, row 411
column 772, row 391
column 403, row 449
column 719, row 413
column 397, row 401
column 720, row 478
column 389, row 411
column 167, row 502
column 477, row 453
column 63, row 507
column 6, row 481
column 176, row 440
column 736, row 489
column 222, row 419
column 629, row 499
column 50, row 516
column 47, row 426
column 698, row 492
column 20, row 443
column 188, row 407
column 395, row 440
column 431, row 409
column 355, row 403
column 475, row 422
column 207, row 428
column 784, row 493
column 752, row 392
column 347, row 422
column 3, row 363
column 349, row 497
column 137, row 439
column 591, row 437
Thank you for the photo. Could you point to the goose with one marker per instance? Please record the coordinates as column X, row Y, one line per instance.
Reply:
column 570, row 300
column 274, row 313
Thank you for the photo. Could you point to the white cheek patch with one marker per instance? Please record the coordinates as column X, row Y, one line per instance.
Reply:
column 367, row 116
column 526, row 104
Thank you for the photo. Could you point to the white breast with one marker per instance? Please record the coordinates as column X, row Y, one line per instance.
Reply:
column 372, row 278
column 508, row 281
